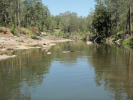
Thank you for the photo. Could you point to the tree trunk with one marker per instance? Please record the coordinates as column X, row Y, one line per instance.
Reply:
column 5, row 13
column 130, row 26
column 127, row 23
column 18, row 13
column 10, row 16
column 15, row 15
column 110, row 25
column 27, row 20
column 5, row 18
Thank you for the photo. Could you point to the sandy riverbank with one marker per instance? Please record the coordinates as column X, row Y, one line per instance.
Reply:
column 21, row 42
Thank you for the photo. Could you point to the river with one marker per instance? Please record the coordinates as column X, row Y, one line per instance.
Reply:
column 91, row 72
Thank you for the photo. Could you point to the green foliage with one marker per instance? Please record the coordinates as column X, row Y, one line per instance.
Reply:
column 128, row 41
column 109, row 18
column 25, row 13
column 117, row 35
column 25, row 31
column 70, row 22
column 101, row 19
column 14, row 30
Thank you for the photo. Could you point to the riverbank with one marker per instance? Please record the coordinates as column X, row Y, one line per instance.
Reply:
column 10, row 43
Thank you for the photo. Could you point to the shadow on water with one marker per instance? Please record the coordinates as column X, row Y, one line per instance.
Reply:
column 112, row 64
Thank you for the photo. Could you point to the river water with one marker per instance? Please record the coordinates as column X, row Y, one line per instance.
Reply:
column 91, row 72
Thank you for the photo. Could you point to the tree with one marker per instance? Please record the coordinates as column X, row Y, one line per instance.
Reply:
column 101, row 20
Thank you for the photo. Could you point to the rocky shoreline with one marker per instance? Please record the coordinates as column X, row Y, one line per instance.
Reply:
column 10, row 43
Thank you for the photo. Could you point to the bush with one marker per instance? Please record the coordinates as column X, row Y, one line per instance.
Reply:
column 25, row 31
column 128, row 41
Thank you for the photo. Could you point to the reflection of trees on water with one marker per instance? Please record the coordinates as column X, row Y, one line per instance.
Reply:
column 113, row 65
column 18, row 74
column 114, row 68
column 70, row 59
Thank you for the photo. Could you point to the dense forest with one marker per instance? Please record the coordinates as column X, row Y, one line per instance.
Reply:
column 111, row 20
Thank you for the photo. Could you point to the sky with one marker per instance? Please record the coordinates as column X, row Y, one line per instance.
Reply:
column 81, row 7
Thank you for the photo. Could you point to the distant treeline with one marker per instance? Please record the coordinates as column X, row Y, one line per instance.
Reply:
column 32, row 13
column 110, row 17
column 24, row 13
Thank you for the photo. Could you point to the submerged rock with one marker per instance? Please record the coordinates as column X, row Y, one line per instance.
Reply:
column 89, row 42
column 48, row 53
column 6, row 56
column 71, row 51
column 65, row 51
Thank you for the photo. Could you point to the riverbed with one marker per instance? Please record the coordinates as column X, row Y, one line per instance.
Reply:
column 89, row 72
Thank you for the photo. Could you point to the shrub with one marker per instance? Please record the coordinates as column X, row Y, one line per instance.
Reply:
column 128, row 41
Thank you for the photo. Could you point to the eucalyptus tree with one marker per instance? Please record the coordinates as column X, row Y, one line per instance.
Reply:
column 25, row 13
column 64, row 23
column 118, row 16
column 101, row 19
column 73, row 26
column 57, row 19
column 89, row 25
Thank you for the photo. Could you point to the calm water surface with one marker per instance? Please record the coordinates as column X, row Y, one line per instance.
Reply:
column 91, row 72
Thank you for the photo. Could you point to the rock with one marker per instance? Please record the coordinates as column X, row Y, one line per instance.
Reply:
column 15, row 36
column 119, row 41
column 71, row 51
column 6, row 56
column 44, row 44
column 22, row 47
column 1, row 46
column 51, row 44
column 12, row 56
column 43, row 34
column 65, row 51
column 89, row 42
column 9, row 48
column 48, row 53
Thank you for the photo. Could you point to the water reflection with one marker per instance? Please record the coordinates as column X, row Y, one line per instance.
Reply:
column 18, row 74
column 114, row 68
column 68, row 75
